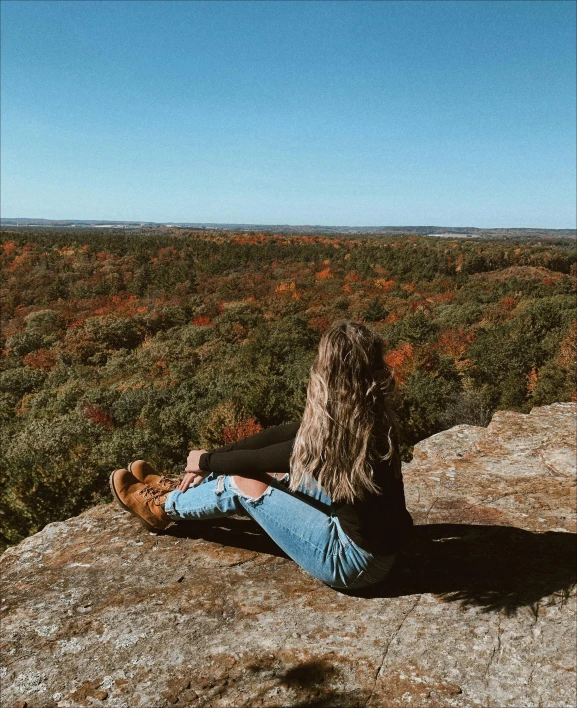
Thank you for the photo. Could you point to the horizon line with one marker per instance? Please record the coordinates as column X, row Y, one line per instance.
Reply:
column 230, row 224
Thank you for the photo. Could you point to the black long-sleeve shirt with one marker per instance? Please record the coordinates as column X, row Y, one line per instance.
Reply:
column 379, row 523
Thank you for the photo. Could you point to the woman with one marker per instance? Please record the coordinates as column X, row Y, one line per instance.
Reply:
column 328, row 489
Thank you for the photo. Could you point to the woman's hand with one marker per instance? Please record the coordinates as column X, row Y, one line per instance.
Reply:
column 193, row 475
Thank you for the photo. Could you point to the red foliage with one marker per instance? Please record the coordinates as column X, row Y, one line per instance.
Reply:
column 508, row 304
column 548, row 281
column 416, row 304
column 41, row 359
column 201, row 321
column 97, row 415
column 232, row 433
column 320, row 323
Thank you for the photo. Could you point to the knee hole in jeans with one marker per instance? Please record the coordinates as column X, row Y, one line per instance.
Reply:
column 247, row 497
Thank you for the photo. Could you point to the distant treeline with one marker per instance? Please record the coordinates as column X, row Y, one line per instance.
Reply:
column 447, row 231
column 125, row 344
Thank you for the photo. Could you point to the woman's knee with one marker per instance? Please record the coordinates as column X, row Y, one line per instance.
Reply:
column 252, row 488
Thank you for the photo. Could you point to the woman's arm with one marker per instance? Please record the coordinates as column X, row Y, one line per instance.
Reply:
column 273, row 458
column 268, row 436
column 241, row 457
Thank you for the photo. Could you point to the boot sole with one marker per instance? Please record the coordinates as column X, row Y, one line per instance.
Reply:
column 146, row 525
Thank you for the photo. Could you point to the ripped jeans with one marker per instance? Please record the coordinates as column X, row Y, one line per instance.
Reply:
column 302, row 523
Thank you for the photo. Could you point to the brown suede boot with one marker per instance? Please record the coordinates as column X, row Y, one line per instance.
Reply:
column 142, row 500
column 145, row 473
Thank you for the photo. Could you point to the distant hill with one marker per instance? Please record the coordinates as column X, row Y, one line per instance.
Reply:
column 437, row 231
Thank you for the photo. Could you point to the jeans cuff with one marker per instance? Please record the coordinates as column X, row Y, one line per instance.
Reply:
column 169, row 504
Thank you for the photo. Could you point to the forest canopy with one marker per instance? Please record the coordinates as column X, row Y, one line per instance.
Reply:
column 120, row 345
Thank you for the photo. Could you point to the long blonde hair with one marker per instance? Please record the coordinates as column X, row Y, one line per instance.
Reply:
column 347, row 419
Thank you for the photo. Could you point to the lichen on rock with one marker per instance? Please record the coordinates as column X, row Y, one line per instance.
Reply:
column 478, row 611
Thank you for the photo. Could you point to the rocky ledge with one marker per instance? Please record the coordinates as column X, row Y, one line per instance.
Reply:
column 478, row 612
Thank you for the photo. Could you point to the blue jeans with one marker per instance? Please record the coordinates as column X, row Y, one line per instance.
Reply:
column 302, row 523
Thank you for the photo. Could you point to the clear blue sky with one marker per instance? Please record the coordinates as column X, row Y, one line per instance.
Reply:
column 338, row 113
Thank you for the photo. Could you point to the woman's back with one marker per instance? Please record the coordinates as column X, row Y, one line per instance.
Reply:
column 378, row 523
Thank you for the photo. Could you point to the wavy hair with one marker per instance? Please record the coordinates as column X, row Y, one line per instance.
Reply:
column 348, row 423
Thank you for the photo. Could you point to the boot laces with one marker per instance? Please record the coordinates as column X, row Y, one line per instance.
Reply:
column 168, row 483
column 150, row 494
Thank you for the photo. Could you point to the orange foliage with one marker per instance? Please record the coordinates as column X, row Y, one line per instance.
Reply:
column 288, row 288
column 385, row 285
column 120, row 304
column 352, row 277
column 447, row 296
column 324, row 274
column 232, row 433
column 454, row 342
column 399, row 359
column 347, row 288
column 532, row 378
column 392, row 318
column 548, row 281
column 41, row 359
column 567, row 356
column 21, row 260
column 201, row 321
column 10, row 248
column 167, row 254
column 240, row 331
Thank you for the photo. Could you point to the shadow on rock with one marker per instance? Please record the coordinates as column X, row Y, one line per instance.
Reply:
column 498, row 568
column 310, row 683
column 236, row 531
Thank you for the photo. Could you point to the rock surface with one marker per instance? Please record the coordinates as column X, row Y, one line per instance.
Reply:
column 478, row 612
